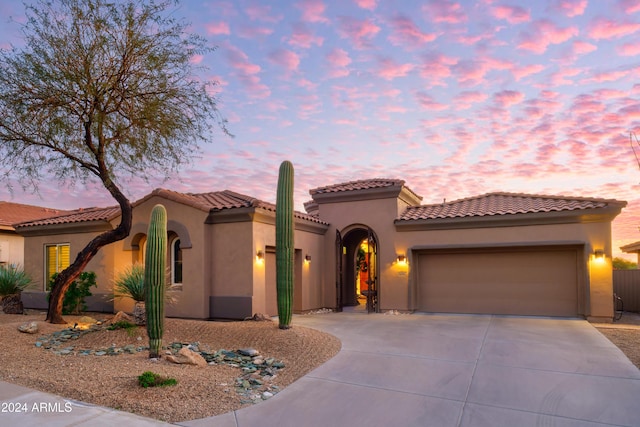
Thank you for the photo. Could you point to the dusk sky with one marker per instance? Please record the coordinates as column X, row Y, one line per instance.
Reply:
column 458, row 98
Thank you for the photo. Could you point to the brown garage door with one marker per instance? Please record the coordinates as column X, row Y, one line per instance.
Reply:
column 518, row 281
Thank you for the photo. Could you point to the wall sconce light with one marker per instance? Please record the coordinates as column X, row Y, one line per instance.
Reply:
column 401, row 259
column 307, row 258
column 599, row 255
column 260, row 256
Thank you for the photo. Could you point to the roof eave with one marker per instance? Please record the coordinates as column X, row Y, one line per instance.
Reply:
column 513, row 220
column 65, row 228
column 356, row 195
column 265, row 216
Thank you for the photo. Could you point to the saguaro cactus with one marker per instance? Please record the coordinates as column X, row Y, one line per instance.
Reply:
column 154, row 278
column 285, row 250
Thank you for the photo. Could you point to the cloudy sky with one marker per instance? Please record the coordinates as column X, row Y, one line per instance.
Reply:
column 458, row 98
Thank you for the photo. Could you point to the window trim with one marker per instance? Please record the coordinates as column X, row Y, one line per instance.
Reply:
column 57, row 247
column 176, row 241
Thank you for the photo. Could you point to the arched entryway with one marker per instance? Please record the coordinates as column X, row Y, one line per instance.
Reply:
column 357, row 269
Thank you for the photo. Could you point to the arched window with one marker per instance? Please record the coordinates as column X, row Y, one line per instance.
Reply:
column 176, row 262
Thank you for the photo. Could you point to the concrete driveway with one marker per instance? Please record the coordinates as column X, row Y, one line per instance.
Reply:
column 455, row 370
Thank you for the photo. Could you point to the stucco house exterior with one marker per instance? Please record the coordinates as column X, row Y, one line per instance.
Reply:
column 368, row 242
column 11, row 243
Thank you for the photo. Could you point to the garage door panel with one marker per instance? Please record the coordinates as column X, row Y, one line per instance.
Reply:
column 520, row 282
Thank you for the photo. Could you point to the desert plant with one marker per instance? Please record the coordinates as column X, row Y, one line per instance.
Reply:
column 285, row 250
column 151, row 379
column 73, row 301
column 131, row 328
column 13, row 280
column 154, row 278
column 130, row 283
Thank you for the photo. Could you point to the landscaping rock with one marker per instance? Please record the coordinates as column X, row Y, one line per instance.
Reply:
column 259, row 317
column 251, row 352
column 29, row 327
column 12, row 304
column 87, row 319
column 188, row 357
column 119, row 317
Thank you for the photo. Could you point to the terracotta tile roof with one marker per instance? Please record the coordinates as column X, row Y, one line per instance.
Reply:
column 12, row 213
column 215, row 200
column 492, row 204
column 362, row 184
column 75, row 216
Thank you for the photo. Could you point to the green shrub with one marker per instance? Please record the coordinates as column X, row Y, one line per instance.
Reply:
column 130, row 283
column 131, row 328
column 150, row 379
column 73, row 302
column 13, row 280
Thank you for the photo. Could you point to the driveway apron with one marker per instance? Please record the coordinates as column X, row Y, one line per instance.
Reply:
column 455, row 370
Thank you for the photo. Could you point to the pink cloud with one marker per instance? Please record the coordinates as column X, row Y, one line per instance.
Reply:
column 542, row 33
column 444, row 11
column 570, row 8
column 285, row 58
column 602, row 28
column 250, row 32
column 526, row 70
column 581, row 47
column 511, row 14
column 312, row 11
column 247, row 72
column 389, row 70
column 630, row 6
column 464, row 100
column 216, row 28
column 428, row 103
column 338, row 60
column 607, row 76
column 563, row 76
column 436, row 68
column 629, row 49
column 303, row 37
column 507, row 98
column 360, row 32
column 367, row 4
column 262, row 12
column 406, row 32
column 473, row 72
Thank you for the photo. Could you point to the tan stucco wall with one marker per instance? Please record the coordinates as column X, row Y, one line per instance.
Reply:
column 192, row 300
column 11, row 248
column 102, row 263
column 396, row 284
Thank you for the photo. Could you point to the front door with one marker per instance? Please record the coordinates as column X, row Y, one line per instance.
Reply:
column 356, row 270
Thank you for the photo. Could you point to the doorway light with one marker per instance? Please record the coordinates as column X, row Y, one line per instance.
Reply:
column 259, row 257
column 598, row 255
column 307, row 258
column 401, row 259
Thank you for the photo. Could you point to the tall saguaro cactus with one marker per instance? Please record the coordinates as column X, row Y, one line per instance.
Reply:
column 154, row 278
column 285, row 251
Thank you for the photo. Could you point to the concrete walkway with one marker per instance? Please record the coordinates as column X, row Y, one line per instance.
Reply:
column 422, row 370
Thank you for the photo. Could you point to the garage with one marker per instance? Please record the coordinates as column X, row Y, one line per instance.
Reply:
column 539, row 281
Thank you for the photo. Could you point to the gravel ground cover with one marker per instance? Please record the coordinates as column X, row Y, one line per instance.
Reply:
column 111, row 380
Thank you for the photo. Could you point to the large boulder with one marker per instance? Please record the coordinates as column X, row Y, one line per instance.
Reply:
column 12, row 304
column 29, row 327
column 187, row 357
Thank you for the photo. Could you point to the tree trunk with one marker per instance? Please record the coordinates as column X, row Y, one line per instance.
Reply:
column 68, row 275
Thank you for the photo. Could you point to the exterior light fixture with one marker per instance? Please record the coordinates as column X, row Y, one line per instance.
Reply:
column 401, row 259
column 599, row 255
column 260, row 256
column 307, row 258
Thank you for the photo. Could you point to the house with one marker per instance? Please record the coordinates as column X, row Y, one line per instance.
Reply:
column 11, row 243
column 368, row 242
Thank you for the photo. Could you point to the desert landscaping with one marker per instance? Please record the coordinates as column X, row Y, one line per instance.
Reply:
column 102, row 366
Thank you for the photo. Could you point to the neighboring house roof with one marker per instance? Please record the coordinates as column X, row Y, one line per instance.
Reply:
column 500, row 204
column 631, row 248
column 75, row 216
column 12, row 213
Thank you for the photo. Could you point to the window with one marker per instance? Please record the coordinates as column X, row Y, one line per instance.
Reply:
column 57, row 258
column 176, row 262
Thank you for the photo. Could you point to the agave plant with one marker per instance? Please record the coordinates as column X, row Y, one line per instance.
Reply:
column 13, row 280
column 130, row 284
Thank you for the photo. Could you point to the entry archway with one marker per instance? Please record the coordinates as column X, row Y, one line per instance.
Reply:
column 357, row 268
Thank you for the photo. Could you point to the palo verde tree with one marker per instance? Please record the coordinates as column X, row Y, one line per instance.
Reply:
column 101, row 90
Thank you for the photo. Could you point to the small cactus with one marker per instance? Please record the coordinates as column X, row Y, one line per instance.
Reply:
column 154, row 278
column 285, row 250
